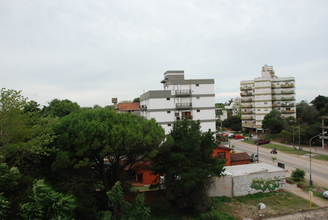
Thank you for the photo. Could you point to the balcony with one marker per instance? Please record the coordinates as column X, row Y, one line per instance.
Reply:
column 287, row 85
column 247, row 118
column 287, row 98
column 287, row 111
column 183, row 92
column 183, row 105
column 247, row 112
column 246, row 100
column 246, row 94
column 288, row 105
column 288, row 92
column 246, row 88
column 246, row 106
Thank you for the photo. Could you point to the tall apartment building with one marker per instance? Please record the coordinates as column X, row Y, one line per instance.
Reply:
column 191, row 98
column 263, row 94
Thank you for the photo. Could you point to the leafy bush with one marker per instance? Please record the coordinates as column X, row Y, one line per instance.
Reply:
column 298, row 174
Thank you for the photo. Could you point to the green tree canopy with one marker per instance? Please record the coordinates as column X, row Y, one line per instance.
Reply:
column 273, row 122
column 307, row 113
column 23, row 135
column 186, row 160
column 320, row 103
column 60, row 108
column 233, row 122
column 104, row 144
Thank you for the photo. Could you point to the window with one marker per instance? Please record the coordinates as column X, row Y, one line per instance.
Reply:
column 168, row 112
column 265, row 103
column 222, row 155
column 198, row 97
column 176, row 113
column 169, row 125
column 168, row 99
column 198, row 110
column 197, row 85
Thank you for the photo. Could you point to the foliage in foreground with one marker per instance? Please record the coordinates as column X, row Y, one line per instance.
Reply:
column 186, row 160
column 124, row 210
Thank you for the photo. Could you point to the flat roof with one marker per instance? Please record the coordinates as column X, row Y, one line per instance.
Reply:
column 240, row 170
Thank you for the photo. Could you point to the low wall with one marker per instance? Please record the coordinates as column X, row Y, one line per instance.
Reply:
column 240, row 185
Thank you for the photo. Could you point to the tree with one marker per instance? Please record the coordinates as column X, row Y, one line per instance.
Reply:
column 136, row 99
column 320, row 103
column 60, row 108
column 122, row 209
column 23, row 135
column 187, row 163
column 233, row 122
column 45, row 203
column 273, row 122
column 307, row 113
column 102, row 146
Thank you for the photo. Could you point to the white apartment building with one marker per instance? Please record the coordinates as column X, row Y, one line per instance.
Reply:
column 263, row 94
column 191, row 98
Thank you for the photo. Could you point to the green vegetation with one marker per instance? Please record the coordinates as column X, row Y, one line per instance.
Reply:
column 298, row 174
column 186, row 160
column 321, row 157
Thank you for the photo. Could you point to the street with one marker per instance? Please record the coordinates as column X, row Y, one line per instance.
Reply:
column 319, row 168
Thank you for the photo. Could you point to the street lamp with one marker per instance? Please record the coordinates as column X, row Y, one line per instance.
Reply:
column 311, row 182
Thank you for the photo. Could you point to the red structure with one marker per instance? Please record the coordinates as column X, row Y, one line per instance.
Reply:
column 223, row 152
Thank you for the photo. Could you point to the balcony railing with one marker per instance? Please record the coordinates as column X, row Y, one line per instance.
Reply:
column 247, row 118
column 245, row 88
column 288, row 105
column 246, row 100
column 287, row 111
column 246, row 106
column 183, row 92
column 290, row 85
column 183, row 105
column 247, row 112
column 287, row 98
column 246, row 94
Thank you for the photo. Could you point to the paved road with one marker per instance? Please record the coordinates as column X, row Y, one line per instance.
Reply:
column 319, row 168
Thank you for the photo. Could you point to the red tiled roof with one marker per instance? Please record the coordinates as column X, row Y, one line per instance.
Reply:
column 129, row 106
column 224, row 147
column 240, row 156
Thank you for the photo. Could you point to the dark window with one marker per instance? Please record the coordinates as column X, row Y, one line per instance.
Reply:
column 169, row 125
column 168, row 112
column 222, row 155
column 197, row 85
column 198, row 110
column 167, row 98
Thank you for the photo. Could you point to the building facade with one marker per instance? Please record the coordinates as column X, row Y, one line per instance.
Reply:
column 180, row 98
column 263, row 94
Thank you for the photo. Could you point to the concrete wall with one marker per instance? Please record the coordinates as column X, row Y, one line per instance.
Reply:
column 240, row 185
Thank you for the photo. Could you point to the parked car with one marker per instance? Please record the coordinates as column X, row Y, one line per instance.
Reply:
column 325, row 194
column 261, row 141
column 231, row 135
column 254, row 157
column 238, row 136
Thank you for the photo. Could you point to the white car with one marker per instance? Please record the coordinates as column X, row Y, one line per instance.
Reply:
column 325, row 194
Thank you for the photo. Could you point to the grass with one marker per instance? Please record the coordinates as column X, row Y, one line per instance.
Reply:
column 321, row 157
column 277, row 202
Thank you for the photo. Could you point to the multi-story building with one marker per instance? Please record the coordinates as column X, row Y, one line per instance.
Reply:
column 191, row 98
column 263, row 94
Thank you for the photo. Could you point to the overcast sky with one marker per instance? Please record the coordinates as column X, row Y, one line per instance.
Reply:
column 92, row 51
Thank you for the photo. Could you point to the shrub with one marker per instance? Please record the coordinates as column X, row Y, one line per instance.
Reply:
column 298, row 174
